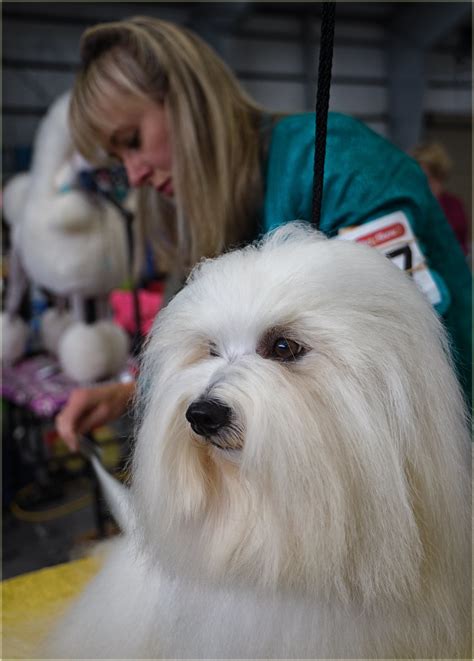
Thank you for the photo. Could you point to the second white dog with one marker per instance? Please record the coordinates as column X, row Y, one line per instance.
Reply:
column 300, row 479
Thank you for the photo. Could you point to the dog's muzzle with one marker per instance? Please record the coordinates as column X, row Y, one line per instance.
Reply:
column 208, row 417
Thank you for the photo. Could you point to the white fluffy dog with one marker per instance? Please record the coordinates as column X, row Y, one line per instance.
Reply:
column 301, row 474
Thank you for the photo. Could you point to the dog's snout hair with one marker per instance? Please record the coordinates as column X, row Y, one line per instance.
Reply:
column 208, row 417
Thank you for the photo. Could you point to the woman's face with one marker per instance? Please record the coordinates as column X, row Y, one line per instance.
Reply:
column 140, row 138
column 435, row 183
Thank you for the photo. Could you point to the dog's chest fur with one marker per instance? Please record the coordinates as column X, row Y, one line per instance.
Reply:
column 135, row 611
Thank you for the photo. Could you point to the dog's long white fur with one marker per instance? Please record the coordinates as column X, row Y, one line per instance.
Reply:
column 117, row 496
column 341, row 528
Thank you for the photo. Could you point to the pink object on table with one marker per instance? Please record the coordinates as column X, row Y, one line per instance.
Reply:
column 39, row 385
column 122, row 305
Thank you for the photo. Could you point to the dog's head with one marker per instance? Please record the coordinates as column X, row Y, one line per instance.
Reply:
column 296, row 399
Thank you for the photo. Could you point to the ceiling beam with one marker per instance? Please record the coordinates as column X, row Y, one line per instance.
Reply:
column 422, row 24
column 213, row 22
column 414, row 29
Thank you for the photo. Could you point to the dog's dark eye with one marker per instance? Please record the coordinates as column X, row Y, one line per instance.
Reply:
column 213, row 350
column 286, row 350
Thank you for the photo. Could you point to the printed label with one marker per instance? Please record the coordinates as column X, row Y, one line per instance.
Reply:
column 392, row 235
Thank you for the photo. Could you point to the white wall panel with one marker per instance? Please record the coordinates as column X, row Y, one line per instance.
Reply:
column 365, row 32
column 358, row 99
column 260, row 55
column 451, row 101
column 99, row 11
column 443, row 67
column 43, row 42
column 18, row 131
column 353, row 30
column 263, row 56
column 359, row 62
column 379, row 127
column 290, row 97
column 281, row 97
column 28, row 88
column 272, row 24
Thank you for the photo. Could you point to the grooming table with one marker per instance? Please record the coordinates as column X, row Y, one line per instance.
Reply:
column 39, row 385
column 33, row 602
column 37, row 389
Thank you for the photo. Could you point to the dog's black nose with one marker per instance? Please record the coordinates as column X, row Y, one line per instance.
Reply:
column 208, row 416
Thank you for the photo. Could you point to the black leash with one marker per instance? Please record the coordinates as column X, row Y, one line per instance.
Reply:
column 322, row 106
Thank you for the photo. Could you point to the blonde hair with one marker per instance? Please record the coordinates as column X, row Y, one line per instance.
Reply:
column 214, row 127
column 434, row 158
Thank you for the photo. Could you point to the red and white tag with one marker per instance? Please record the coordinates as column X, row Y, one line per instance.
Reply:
column 392, row 235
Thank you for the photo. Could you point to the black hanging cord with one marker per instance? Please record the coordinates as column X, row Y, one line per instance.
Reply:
column 322, row 105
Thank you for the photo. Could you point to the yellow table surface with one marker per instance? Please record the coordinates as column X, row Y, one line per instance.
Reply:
column 31, row 603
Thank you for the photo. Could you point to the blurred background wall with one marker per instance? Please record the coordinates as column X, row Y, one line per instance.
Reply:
column 403, row 68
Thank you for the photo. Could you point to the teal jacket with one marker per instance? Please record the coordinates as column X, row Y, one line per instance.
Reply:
column 367, row 177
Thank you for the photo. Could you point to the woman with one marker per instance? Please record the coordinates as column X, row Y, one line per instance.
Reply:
column 215, row 170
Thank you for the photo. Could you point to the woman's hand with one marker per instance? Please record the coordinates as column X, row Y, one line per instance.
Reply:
column 88, row 408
